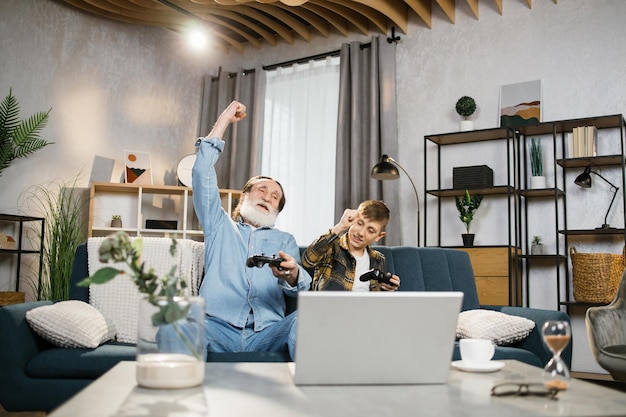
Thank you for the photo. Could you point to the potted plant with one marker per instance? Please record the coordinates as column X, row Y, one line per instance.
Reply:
column 467, row 206
column 536, row 247
column 537, row 179
column 19, row 138
column 116, row 220
column 465, row 107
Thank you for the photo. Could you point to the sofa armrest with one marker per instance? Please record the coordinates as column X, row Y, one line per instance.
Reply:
column 18, row 344
column 534, row 342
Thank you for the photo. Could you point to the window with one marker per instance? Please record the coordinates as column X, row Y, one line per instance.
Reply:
column 299, row 139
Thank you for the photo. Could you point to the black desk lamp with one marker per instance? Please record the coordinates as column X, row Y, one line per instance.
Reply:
column 584, row 180
column 386, row 170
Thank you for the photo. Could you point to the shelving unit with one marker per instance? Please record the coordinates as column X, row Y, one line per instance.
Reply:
column 166, row 204
column 521, row 198
column 498, row 275
column 21, row 248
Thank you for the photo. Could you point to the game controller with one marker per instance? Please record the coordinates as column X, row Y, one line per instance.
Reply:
column 378, row 275
column 260, row 260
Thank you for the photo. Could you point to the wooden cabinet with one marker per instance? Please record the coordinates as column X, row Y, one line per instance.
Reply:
column 496, row 282
column 148, row 210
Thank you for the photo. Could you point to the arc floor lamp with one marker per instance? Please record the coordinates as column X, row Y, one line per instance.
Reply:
column 386, row 170
column 584, row 180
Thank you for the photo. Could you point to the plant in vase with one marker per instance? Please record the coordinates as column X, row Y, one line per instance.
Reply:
column 116, row 220
column 465, row 107
column 537, row 180
column 467, row 206
column 170, row 345
column 536, row 247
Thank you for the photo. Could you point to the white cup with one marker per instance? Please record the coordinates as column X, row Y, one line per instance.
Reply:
column 476, row 351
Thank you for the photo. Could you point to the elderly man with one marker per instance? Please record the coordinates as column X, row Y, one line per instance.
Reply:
column 245, row 305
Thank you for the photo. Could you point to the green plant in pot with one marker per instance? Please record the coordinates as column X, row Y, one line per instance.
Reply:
column 465, row 107
column 537, row 180
column 536, row 247
column 467, row 206
column 19, row 138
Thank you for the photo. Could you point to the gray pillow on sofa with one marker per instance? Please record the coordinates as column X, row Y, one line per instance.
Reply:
column 502, row 329
column 71, row 324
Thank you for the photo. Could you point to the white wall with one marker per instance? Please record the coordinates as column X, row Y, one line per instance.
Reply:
column 114, row 86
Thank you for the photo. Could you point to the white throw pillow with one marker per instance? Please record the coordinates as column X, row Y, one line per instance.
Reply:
column 71, row 324
column 502, row 329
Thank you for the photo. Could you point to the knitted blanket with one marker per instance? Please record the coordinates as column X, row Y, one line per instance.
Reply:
column 118, row 299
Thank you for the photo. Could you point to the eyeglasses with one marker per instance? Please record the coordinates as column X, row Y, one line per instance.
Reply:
column 523, row 389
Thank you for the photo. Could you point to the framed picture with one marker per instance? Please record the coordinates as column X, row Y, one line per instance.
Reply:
column 520, row 104
column 138, row 167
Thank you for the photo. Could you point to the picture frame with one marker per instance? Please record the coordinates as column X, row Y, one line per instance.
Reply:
column 138, row 167
column 520, row 104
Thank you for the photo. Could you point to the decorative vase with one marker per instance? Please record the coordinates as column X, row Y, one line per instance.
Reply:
column 536, row 249
column 116, row 223
column 537, row 182
column 468, row 239
column 170, row 355
column 466, row 125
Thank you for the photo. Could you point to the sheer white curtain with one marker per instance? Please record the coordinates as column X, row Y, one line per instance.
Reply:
column 299, row 140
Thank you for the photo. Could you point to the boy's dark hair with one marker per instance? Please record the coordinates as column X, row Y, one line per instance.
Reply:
column 246, row 189
column 375, row 210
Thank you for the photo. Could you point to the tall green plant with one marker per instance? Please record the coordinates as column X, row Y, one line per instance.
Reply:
column 467, row 206
column 536, row 161
column 19, row 138
column 61, row 204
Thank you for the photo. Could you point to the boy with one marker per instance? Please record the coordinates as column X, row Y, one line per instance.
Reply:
column 343, row 254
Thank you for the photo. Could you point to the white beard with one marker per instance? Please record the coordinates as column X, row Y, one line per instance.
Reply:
column 253, row 215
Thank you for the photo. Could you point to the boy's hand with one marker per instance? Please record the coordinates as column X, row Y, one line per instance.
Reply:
column 349, row 217
column 393, row 286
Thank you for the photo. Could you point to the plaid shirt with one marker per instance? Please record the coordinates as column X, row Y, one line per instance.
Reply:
column 334, row 265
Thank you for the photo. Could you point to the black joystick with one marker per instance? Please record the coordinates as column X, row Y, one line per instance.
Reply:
column 378, row 275
column 260, row 260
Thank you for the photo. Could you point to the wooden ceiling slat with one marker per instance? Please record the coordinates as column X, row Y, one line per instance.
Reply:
column 376, row 18
column 285, row 18
column 448, row 8
column 499, row 5
column 338, row 22
column 473, row 5
column 396, row 10
column 253, row 41
column 280, row 30
column 423, row 8
column 237, row 17
column 346, row 14
column 321, row 24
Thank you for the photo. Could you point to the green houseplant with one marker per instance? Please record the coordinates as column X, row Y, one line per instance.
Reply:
column 19, row 138
column 536, row 247
column 62, row 204
column 537, row 179
column 467, row 206
column 116, row 220
column 465, row 107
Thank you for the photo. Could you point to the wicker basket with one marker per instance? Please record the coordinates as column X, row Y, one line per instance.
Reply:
column 596, row 276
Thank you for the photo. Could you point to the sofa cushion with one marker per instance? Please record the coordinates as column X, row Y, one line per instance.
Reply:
column 502, row 329
column 71, row 324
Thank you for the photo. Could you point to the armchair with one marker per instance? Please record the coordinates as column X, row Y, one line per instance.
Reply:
column 606, row 330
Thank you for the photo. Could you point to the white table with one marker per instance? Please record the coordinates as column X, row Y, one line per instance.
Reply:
column 267, row 389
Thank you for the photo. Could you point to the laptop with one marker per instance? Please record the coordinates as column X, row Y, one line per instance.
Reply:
column 348, row 338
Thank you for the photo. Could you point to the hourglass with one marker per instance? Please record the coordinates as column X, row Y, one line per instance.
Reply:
column 556, row 335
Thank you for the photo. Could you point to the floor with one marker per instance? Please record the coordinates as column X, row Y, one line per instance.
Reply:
column 5, row 413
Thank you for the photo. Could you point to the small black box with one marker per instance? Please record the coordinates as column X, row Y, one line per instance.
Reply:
column 162, row 224
column 479, row 176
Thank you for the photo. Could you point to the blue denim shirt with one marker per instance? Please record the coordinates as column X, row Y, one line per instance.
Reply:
column 230, row 288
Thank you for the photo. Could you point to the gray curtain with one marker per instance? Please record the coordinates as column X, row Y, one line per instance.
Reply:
column 241, row 157
column 367, row 128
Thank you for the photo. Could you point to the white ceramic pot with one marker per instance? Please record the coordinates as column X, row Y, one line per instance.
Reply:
column 537, row 182
column 171, row 355
column 466, row 125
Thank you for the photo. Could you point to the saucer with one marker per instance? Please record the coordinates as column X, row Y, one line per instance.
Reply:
column 490, row 366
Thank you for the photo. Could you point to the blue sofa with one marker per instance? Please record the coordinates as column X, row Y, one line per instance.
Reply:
column 36, row 375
